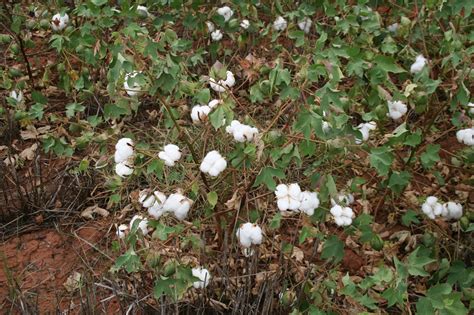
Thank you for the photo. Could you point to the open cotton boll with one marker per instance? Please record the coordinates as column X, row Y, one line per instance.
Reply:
column 431, row 207
column 156, row 210
column 178, row 204
column 466, row 136
column 452, row 210
column 279, row 24
column 170, row 154
column 142, row 225
column 220, row 86
column 123, row 170
column 17, row 96
column 469, row 105
column 213, row 104
column 344, row 199
column 326, row 126
column 305, row 25
column 147, row 200
column 288, row 197
column 121, row 231
column 365, row 129
column 199, row 113
column 59, row 21
column 418, row 65
column 142, row 10
column 204, row 277
column 309, row 202
column 249, row 234
column 225, row 12
column 230, row 79
column 393, row 28
column 245, row 24
column 123, row 150
column 396, row 109
column 241, row 132
column 210, row 26
column 342, row 215
column 216, row 35
column 135, row 88
column 213, row 164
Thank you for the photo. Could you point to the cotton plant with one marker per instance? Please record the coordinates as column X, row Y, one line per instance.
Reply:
column 142, row 225
column 135, row 88
column 170, row 154
column 213, row 163
column 225, row 12
column 365, row 129
column 466, row 136
column 59, row 22
column 419, row 64
column 305, row 25
column 396, row 109
column 203, row 275
column 245, row 24
column 221, row 85
column 249, row 234
column 241, row 132
column 124, row 157
column 280, row 24
column 178, row 204
column 17, row 96
column 342, row 215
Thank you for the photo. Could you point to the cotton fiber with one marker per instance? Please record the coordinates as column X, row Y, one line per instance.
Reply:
column 213, row 164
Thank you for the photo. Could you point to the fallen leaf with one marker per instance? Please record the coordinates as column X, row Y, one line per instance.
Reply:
column 89, row 211
column 29, row 153
column 298, row 254
column 73, row 282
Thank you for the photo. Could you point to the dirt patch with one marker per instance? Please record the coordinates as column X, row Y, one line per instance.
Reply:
column 36, row 265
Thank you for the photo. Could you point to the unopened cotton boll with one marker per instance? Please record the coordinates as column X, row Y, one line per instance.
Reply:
column 204, row 277
column 17, row 96
column 452, row 210
column 249, row 234
column 418, row 65
column 279, row 24
column 396, row 109
column 466, row 136
column 216, row 35
column 123, row 170
column 342, row 215
column 309, row 202
column 245, row 24
column 213, row 164
column 121, row 231
column 241, row 132
column 142, row 225
column 178, row 204
column 225, row 12
column 199, row 113
column 135, row 88
column 170, row 154
column 365, row 129
column 288, row 197
column 431, row 207
column 59, row 21
column 305, row 25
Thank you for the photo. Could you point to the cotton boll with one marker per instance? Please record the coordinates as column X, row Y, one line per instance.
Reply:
column 135, row 88
column 288, row 197
column 256, row 235
column 326, row 126
column 241, row 132
column 396, row 109
column 230, row 79
column 216, row 86
column 156, row 210
column 213, row 164
column 466, row 136
column 121, row 231
column 431, row 207
column 469, row 105
column 365, row 129
column 142, row 10
column 146, row 200
column 249, row 234
column 225, row 12
column 452, row 210
column 336, row 211
column 142, row 225
column 245, row 24
column 305, row 25
column 281, row 191
column 170, row 154
column 418, row 65
column 216, row 35
column 17, row 96
column 210, row 26
column 59, row 22
column 342, row 215
column 213, row 104
column 221, row 85
column 393, row 28
column 123, row 170
column 204, row 277
column 178, row 204
column 279, row 24
column 199, row 113
column 309, row 202
column 123, row 150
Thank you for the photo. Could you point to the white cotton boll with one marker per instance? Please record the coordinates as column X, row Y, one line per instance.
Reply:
column 204, row 277
column 466, row 136
column 281, row 191
column 365, row 129
column 342, row 215
column 438, row 209
column 225, row 12
column 326, row 126
column 279, row 24
column 230, row 79
column 431, row 207
column 146, row 200
column 213, row 164
column 241, row 132
column 135, row 88
column 199, row 113
column 59, row 22
column 418, row 65
column 249, row 234
column 393, row 28
column 340, row 221
column 178, row 204
column 396, row 109
column 210, row 26
column 346, row 221
column 288, row 197
column 294, row 191
column 142, row 225
column 305, row 25
column 216, row 86
column 347, row 212
column 156, row 209
column 142, row 10
column 336, row 211
column 283, row 203
column 123, row 150
column 123, row 170
column 309, row 202
column 256, row 235
column 17, row 96
column 213, row 104
column 216, row 35
column 469, row 105
column 121, row 231
column 170, row 154
column 452, row 210
column 245, row 24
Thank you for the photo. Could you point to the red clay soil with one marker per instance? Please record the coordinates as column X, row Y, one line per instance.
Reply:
column 40, row 262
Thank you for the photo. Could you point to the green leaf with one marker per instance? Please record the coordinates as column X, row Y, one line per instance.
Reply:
column 73, row 108
column 266, row 176
column 217, row 117
column 39, row 98
column 333, row 249
column 388, row 64
column 398, row 181
column 275, row 222
column 128, row 261
column 381, row 159
column 410, row 217
column 430, row 156
column 212, row 198
column 417, row 262
column 155, row 167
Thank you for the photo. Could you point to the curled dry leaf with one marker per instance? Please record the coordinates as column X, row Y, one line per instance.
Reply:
column 89, row 211
column 73, row 282
column 32, row 132
column 298, row 254
column 29, row 153
column 234, row 202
